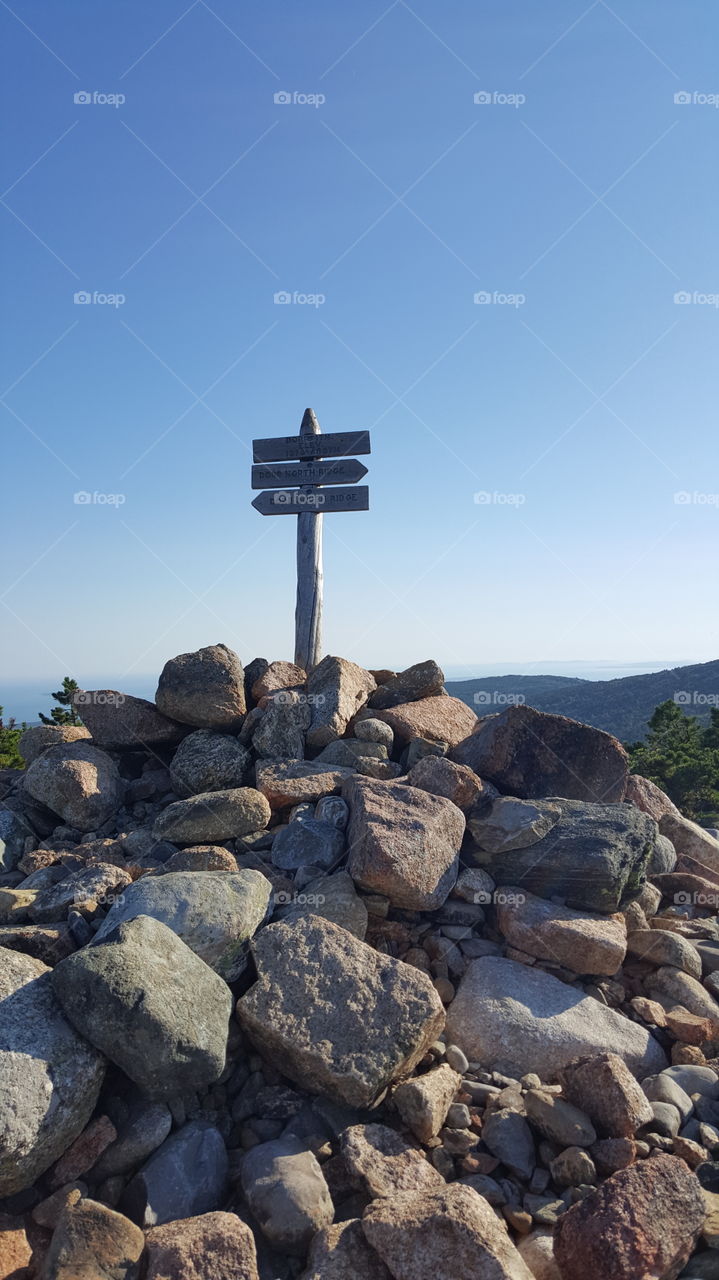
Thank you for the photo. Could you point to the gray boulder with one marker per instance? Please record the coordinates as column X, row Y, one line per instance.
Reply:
column 118, row 721
column 78, row 782
column 50, row 1077
column 14, row 831
column 213, row 816
column 207, row 761
column 334, row 898
column 215, row 913
column 342, row 1019
column 516, row 1020
column 39, row 737
column 531, row 753
column 309, row 843
column 280, row 734
column 151, row 1005
column 423, row 680
column 185, row 1177
column 595, row 857
column 284, row 1186
column 205, row 689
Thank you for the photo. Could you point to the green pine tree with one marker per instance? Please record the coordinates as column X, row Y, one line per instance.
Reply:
column 64, row 697
column 10, row 734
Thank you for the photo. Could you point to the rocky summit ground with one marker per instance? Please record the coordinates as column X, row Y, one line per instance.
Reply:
column 319, row 975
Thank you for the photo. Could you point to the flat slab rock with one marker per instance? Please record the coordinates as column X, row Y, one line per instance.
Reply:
column 404, row 843
column 213, row 816
column 643, row 1221
column 52, row 1074
column 342, row 1019
column 531, row 753
column 440, row 719
column 450, row 1232
column 296, row 782
column 581, row 941
column 119, row 721
column 516, row 1020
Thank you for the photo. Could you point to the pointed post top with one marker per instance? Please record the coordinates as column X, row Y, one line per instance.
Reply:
column 309, row 426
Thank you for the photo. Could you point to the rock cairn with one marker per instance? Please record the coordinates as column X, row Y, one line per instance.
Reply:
column 320, row 976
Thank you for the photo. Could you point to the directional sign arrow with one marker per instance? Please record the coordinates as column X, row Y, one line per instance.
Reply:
column 295, row 502
column 279, row 474
column 336, row 444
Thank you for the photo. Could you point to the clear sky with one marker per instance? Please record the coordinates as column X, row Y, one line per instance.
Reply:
column 527, row 450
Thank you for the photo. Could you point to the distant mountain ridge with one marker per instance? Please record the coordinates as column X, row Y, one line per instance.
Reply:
column 621, row 706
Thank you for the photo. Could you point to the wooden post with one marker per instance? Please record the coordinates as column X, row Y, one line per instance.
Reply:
column 308, row 610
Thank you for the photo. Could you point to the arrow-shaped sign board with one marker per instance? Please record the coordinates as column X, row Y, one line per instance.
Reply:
column 336, row 444
column 295, row 502
column 280, row 474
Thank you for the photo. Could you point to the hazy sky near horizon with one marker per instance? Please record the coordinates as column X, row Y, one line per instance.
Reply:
column 496, row 224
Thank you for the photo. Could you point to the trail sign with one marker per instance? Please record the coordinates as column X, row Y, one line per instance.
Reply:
column 300, row 463
column 293, row 502
column 338, row 444
column 279, row 474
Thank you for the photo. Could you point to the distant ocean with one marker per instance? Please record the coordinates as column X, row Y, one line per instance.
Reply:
column 24, row 699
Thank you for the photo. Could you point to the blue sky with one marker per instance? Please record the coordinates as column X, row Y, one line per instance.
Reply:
column 576, row 402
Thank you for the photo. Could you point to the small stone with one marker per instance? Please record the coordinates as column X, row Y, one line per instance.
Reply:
column 372, row 730
column 662, row 1088
column 619, row 1230
column 603, row 1087
column 15, row 1248
column 660, row 947
column 145, row 1129
column 341, row 1252
column 92, row 1240
column 612, row 1154
column 385, row 1164
column 219, row 1245
column 83, row 1153
column 450, row 1232
column 508, row 1136
column 424, row 1101
column 278, row 675
column 456, row 1059
column 185, row 1177
column 537, row 1251
column 573, row 1167
column 558, row 1120
column 213, row 816
column 287, row 1193
column 307, row 843
column 208, row 761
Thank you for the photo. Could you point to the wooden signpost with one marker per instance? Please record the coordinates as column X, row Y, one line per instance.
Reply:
column 298, row 461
